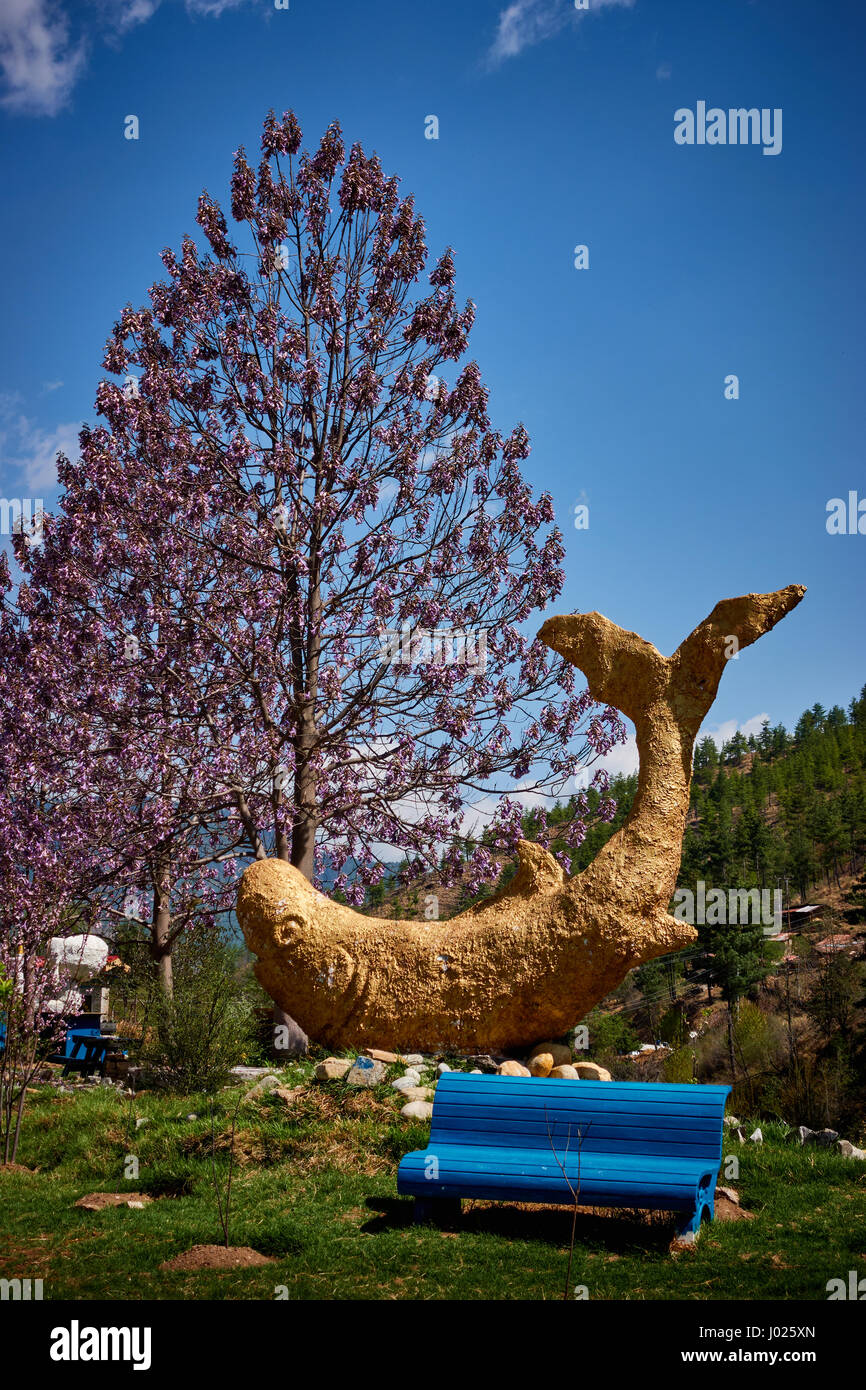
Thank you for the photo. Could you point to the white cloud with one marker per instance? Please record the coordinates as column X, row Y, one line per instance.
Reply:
column 527, row 22
column 127, row 16
column 212, row 9
column 41, row 450
column 30, row 452
column 722, row 733
column 622, row 759
column 39, row 62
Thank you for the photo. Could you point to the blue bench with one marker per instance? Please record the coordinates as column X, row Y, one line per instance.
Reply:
column 634, row 1144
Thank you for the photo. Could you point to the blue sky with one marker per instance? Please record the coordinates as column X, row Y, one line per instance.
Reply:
column 556, row 128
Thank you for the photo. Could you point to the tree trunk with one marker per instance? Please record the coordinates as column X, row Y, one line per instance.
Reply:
column 731, row 1042
column 290, row 1040
column 160, row 945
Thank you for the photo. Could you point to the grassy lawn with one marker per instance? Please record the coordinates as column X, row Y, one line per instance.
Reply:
column 315, row 1187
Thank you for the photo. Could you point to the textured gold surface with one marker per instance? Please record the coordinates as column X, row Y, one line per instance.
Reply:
column 530, row 962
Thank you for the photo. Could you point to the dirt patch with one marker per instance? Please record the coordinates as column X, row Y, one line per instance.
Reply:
column 356, row 1214
column 16, row 1168
column 726, row 1210
column 217, row 1257
column 98, row 1201
column 642, row 1216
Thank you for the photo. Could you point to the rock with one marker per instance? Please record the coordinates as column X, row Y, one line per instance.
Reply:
column 541, row 1064
column 560, row 1054
column 756, row 1137
column 332, row 1069
column 484, row 1063
column 254, row 1073
column 731, row 1122
column 730, row 1192
column 591, row 1071
column 378, row 1055
column 825, row 1138
column 476, row 1071
column 405, row 1083
column 78, row 957
column 365, row 1072
column 442, row 1068
column 261, row 1088
column 289, row 1038
column 514, row 1069
column 141, row 1120
column 417, row 1110
column 413, row 1093
column 849, row 1150
column 414, row 1059
column 564, row 1073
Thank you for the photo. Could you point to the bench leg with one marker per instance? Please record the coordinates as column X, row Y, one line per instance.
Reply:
column 436, row 1209
column 690, row 1224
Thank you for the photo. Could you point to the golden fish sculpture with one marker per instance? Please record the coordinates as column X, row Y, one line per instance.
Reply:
column 530, row 962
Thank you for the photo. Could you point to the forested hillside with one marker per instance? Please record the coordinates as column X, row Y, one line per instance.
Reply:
column 783, row 809
column 778, row 810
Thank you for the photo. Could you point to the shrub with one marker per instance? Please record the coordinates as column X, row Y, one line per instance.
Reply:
column 610, row 1033
column 679, row 1066
column 204, row 1028
column 758, row 1038
column 674, row 1027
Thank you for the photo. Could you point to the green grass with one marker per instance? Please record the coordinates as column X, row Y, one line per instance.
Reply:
column 315, row 1187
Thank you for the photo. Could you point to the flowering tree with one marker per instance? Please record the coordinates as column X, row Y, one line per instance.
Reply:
column 304, row 554
column 365, row 548
column 45, row 857
column 162, row 849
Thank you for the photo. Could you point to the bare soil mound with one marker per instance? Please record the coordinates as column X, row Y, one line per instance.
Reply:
column 98, row 1201
column 217, row 1257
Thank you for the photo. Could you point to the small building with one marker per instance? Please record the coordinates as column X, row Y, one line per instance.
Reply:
column 832, row 945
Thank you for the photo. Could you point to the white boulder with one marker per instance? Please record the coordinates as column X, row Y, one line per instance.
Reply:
column 78, row 957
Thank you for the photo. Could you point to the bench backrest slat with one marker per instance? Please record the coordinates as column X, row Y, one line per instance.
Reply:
column 657, row 1118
